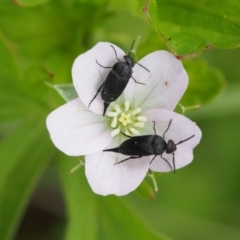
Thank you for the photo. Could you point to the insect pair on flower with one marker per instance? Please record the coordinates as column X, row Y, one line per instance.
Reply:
column 78, row 130
column 139, row 146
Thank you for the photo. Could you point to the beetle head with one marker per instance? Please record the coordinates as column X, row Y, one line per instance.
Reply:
column 171, row 147
column 129, row 60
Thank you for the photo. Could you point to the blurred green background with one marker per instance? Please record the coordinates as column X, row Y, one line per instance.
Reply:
column 39, row 41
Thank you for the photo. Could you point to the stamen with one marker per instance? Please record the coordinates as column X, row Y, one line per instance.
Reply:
column 117, row 108
column 128, row 133
column 127, row 105
column 134, row 131
column 139, row 124
column 136, row 111
column 114, row 122
column 121, row 119
column 142, row 119
column 126, row 120
column 115, row 132
column 112, row 114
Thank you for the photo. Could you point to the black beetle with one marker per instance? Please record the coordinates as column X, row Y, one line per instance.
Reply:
column 147, row 145
column 116, row 80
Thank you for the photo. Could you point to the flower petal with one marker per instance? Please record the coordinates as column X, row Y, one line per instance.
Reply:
column 106, row 178
column 88, row 76
column 165, row 84
column 180, row 129
column 78, row 132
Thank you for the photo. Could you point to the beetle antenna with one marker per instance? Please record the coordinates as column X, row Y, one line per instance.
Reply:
column 115, row 53
column 101, row 65
column 136, row 62
column 154, row 128
column 142, row 66
column 174, row 168
column 185, row 140
column 167, row 129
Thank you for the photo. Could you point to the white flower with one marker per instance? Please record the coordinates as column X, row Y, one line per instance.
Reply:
column 77, row 130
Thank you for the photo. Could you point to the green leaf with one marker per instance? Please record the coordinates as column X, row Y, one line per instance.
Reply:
column 35, row 76
column 24, row 148
column 205, row 83
column 80, row 201
column 9, row 73
column 15, row 104
column 180, row 224
column 66, row 91
column 120, row 221
column 54, row 29
column 29, row 3
column 188, row 27
column 23, row 156
column 225, row 106
column 34, row 81
column 38, row 39
column 146, row 190
column 93, row 217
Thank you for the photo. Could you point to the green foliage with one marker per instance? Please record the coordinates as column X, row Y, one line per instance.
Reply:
column 22, row 159
column 204, row 86
column 39, row 41
column 146, row 190
column 22, row 164
column 29, row 3
column 188, row 27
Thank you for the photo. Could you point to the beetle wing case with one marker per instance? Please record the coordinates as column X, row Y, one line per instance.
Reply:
column 140, row 145
column 116, row 82
column 113, row 87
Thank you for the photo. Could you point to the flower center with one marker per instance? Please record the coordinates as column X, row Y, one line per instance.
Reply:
column 125, row 119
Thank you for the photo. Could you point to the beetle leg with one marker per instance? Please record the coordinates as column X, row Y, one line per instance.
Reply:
column 137, row 81
column 101, row 65
column 132, row 157
column 96, row 94
column 153, row 159
column 167, row 129
column 126, row 135
column 167, row 162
